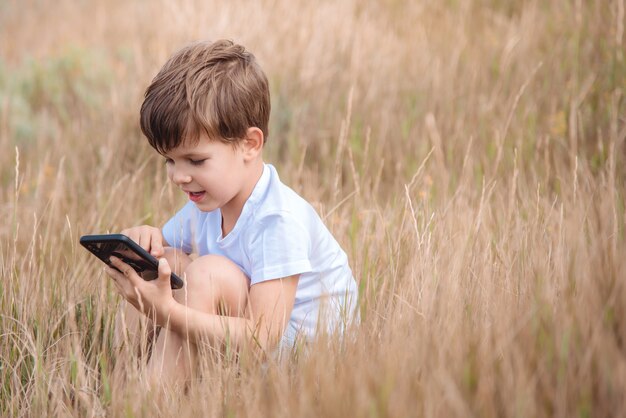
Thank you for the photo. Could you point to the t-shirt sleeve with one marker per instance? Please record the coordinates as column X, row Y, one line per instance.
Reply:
column 279, row 247
column 178, row 230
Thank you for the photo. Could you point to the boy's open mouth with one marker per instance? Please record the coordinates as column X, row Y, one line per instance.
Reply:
column 195, row 196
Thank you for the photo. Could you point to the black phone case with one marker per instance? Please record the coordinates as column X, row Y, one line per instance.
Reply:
column 104, row 246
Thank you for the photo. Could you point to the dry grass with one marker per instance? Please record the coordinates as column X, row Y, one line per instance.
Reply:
column 469, row 156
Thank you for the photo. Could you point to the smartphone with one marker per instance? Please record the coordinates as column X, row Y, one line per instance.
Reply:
column 124, row 248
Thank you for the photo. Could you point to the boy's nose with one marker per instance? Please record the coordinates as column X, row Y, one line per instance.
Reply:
column 179, row 177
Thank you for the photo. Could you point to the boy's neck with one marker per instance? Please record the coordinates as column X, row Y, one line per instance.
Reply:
column 231, row 212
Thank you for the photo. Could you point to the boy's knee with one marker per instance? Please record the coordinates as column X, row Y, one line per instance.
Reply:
column 212, row 280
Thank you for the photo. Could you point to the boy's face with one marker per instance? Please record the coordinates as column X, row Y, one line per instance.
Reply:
column 212, row 173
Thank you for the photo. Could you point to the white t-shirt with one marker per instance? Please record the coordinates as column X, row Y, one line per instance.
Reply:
column 278, row 234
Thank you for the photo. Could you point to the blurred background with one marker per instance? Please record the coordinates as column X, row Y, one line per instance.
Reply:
column 467, row 154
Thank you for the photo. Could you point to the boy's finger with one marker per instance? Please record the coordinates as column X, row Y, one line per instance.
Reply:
column 157, row 247
column 132, row 234
column 124, row 268
column 117, row 284
column 112, row 273
column 115, row 276
column 165, row 271
column 144, row 241
column 117, row 263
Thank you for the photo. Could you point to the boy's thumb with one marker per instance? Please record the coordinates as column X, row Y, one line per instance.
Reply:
column 164, row 269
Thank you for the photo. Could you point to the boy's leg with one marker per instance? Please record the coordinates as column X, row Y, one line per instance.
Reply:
column 213, row 284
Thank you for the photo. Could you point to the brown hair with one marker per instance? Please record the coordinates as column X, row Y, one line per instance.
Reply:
column 214, row 88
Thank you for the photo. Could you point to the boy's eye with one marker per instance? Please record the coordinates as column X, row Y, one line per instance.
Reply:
column 197, row 162
column 169, row 161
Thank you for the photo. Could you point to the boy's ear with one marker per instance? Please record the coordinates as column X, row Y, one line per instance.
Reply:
column 253, row 143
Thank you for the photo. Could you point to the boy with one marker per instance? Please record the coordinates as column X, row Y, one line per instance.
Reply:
column 267, row 269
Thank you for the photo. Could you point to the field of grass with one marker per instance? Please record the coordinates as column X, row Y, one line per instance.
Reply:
column 467, row 154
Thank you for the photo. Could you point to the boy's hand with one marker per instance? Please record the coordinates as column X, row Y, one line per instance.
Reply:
column 148, row 237
column 152, row 298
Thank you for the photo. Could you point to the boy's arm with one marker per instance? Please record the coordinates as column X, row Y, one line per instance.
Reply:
column 269, row 308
